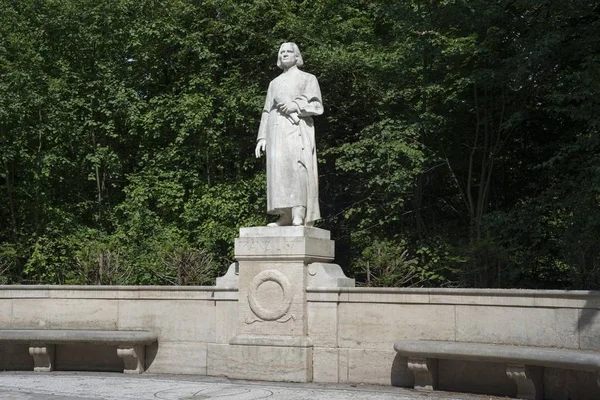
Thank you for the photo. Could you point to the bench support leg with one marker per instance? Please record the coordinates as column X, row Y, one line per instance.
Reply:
column 425, row 372
column 529, row 381
column 43, row 357
column 133, row 358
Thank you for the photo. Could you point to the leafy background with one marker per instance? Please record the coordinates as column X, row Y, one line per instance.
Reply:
column 460, row 144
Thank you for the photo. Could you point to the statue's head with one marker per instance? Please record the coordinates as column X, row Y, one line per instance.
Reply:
column 289, row 51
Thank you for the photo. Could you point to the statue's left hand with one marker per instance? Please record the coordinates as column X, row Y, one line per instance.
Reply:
column 260, row 147
column 289, row 108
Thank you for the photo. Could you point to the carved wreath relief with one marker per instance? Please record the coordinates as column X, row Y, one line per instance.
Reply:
column 275, row 312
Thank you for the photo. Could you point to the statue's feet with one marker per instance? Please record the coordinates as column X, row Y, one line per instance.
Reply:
column 299, row 213
column 298, row 221
column 284, row 220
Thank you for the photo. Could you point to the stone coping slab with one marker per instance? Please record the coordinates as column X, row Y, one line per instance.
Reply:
column 570, row 294
column 275, row 341
column 135, row 288
column 547, row 357
column 116, row 292
column 66, row 336
column 461, row 292
column 285, row 231
column 490, row 297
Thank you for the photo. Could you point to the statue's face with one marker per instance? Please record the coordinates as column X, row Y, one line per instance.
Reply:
column 287, row 55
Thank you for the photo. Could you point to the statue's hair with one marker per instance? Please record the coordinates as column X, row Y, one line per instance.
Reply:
column 299, row 59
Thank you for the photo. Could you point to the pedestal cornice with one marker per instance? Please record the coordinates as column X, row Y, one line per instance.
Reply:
column 289, row 243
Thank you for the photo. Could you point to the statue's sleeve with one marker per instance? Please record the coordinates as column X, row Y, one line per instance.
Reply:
column 262, row 130
column 310, row 102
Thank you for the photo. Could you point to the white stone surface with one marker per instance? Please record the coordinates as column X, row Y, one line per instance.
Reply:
column 288, row 364
column 528, row 381
column 134, row 358
column 5, row 311
column 270, row 297
column 470, row 298
column 63, row 314
column 177, row 358
column 84, row 292
column 370, row 366
column 172, row 320
column 272, row 340
column 518, row 325
column 323, row 324
column 321, row 295
column 589, row 329
column 326, row 275
column 43, row 357
column 287, row 134
column 226, row 320
column 378, row 326
column 377, row 295
column 217, row 359
column 23, row 291
column 385, row 295
column 567, row 299
column 325, row 365
column 284, row 231
column 272, row 307
column 425, row 372
column 305, row 249
column 230, row 279
column 343, row 366
column 170, row 293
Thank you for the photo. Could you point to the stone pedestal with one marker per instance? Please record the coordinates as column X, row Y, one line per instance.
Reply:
column 272, row 342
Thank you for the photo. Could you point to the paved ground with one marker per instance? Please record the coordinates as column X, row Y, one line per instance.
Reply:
column 113, row 386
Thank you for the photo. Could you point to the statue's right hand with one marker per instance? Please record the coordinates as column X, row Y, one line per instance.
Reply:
column 260, row 147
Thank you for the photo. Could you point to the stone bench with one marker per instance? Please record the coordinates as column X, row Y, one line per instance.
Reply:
column 130, row 344
column 524, row 364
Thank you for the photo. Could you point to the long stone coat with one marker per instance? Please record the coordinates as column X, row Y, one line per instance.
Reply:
column 292, row 177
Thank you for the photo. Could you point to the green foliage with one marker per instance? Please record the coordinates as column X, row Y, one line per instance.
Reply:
column 459, row 146
column 389, row 264
column 8, row 263
column 382, row 162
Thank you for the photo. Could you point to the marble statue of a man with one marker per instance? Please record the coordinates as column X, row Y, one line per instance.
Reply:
column 287, row 135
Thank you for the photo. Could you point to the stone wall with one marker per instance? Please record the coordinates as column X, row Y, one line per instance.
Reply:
column 352, row 329
column 186, row 320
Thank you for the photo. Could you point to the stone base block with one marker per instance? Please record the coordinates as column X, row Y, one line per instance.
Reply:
column 217, row 359
column 529, row 380
column 231, row 278
column 177, row 358
column 134, row 358
column 327, row 275
column 299, row 243
column 325, row 365
column 43, row 357
column 425, row 372
column 371, row 366
column 281, row 359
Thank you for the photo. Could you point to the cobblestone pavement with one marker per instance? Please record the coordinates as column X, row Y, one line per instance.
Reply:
column 113, row 386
